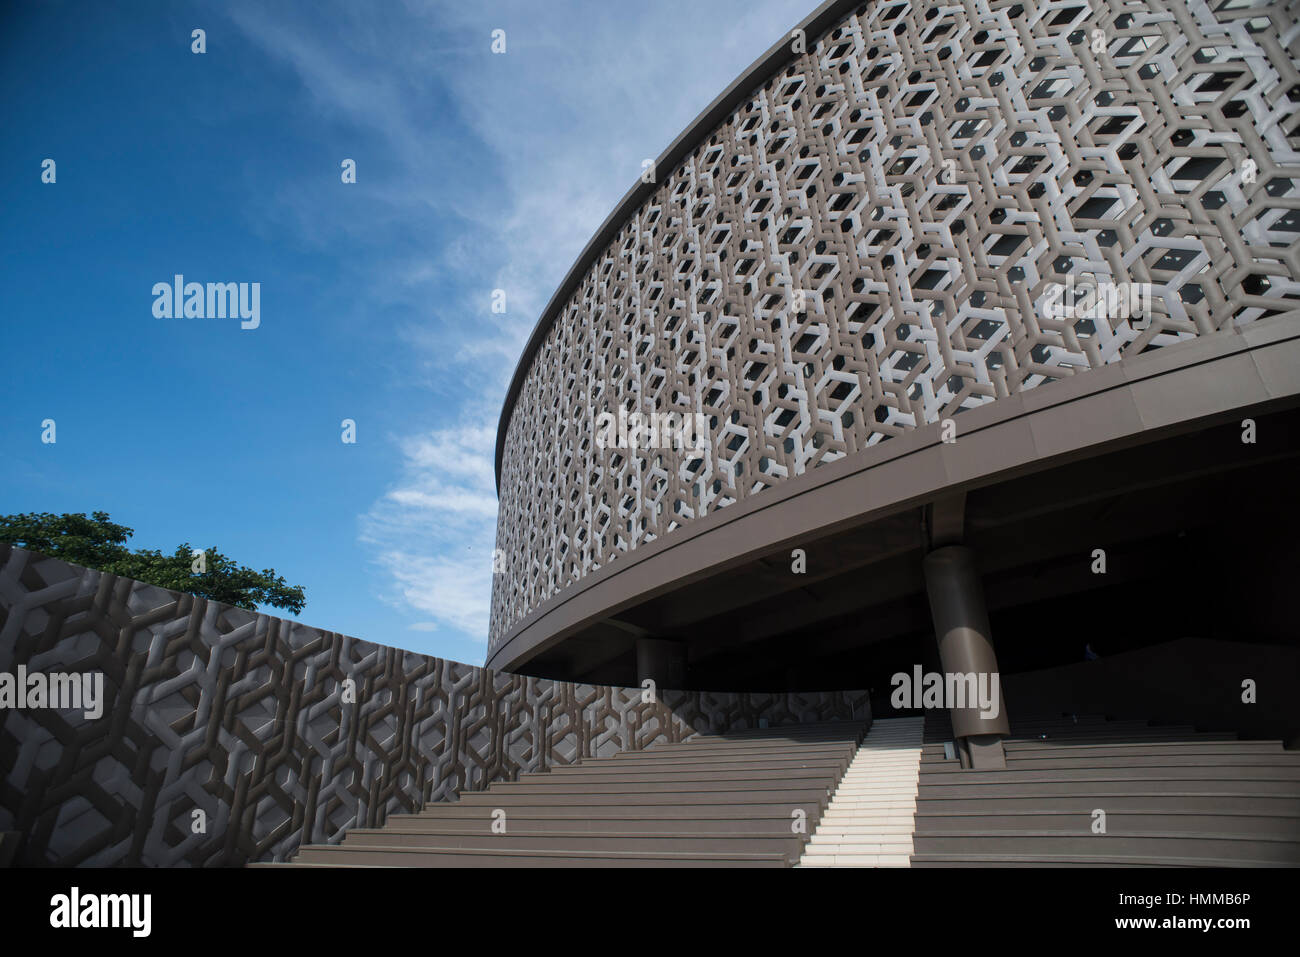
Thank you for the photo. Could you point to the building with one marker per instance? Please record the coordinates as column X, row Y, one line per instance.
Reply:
column 990, row 314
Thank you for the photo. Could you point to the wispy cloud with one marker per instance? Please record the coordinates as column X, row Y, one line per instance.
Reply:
column 433, row 531
column 493, row 171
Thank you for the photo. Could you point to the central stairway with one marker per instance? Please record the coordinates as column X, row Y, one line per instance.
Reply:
column 719, row 801
column 870, row 818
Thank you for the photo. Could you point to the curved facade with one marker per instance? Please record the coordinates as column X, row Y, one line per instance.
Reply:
column 914, row 212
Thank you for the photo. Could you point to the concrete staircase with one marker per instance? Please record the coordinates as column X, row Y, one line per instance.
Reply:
column 870, row 817
column 718, row 801
column 1172, row 796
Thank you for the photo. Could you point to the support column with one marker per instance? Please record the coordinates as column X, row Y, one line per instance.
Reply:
column 662, row 661
column 961, row 626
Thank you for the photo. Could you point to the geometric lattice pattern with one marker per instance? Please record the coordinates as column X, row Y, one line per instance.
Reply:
column 244, row 717
column 867, row 246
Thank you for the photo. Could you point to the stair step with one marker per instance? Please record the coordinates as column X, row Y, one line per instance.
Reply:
column 1089, row 748
column 1212, row 763
column 857, row 860
column 1115, row 802
column 1080, row 860
column 743, row 772
column 513, row 857
column 1055, row 844
column 782, row 842
column 788, row 798
column 669, row 812
column 517, row 824
column 1254, row 776
column 1117, row 823
column 702, row 764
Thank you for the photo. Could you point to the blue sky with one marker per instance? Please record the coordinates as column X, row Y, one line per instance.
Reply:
column 475, row 171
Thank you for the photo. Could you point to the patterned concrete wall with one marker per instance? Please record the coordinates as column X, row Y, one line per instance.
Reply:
column 875, row 239
column 248, row 719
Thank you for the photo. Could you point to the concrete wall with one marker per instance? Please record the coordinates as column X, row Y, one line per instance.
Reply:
column 245, row 718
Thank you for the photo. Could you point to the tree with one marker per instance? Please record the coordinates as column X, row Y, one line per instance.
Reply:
column 96, row 542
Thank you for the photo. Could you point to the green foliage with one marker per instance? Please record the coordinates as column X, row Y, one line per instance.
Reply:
column 92, row 541
column 96, row 542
